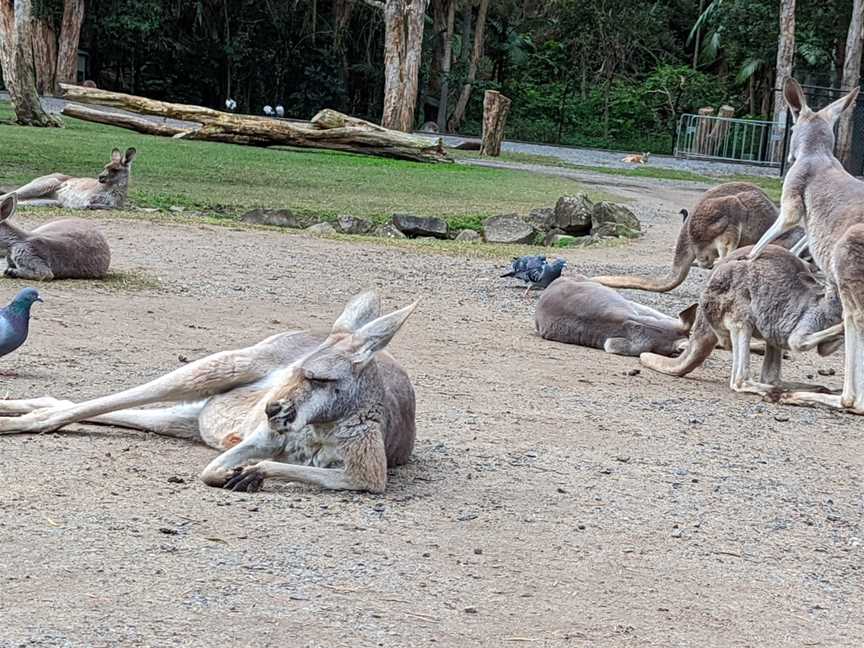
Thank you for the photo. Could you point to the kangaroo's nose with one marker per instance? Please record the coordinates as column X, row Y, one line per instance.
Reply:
column 272, row 409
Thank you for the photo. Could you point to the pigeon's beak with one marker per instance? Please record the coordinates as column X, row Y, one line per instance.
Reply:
column 39, row 299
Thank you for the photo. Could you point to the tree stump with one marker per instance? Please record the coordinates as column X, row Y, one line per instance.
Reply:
column 703, row 131
column 495, row 109
column 721, row 131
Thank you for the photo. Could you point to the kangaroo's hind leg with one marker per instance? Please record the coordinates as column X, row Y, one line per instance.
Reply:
column 25, row 265
column 740, row 380
column 43, row 187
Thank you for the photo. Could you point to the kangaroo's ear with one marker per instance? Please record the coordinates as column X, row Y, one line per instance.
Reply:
column 8, row 204
column 360, row 310
column 377, row 334
column 793, row 93
column 834, row 109
column 688, row 316
column 116, row 156
column 129, row 156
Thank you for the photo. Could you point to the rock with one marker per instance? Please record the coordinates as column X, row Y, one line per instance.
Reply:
column 543, row 219
column 388, row 231
column 557, row 238
column 825, row 372
column 470, row 610
column 609, row 219
column 468, row 235
column 573, row 214
column 508, row 228
column 353, row 225
column 321, row 228
column 413, row 226
column 176, row 208
column 278, row 217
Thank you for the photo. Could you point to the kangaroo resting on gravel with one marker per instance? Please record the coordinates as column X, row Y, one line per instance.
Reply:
column 729, row 216
column 108, row 191
column 331, row 411
column 773, row 298
column 821, row 194
column 578, row 311
column 64, row 249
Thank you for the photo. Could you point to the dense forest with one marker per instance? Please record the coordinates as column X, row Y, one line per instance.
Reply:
column 608, row 73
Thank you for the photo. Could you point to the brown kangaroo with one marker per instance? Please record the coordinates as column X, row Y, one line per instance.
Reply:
column 729, row 216
column 575, row 310
column 108, row 191
column 774, row 298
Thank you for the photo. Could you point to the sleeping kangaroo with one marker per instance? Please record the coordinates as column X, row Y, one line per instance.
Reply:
column 729, row 216
column 575, row 310
column 108, row 191
column 332, row 411
column 773, row 298
column 64, row 249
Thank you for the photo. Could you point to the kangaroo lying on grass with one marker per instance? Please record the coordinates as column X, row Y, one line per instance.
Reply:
column 774, row 298
column 636, row 158
column 819, row 192
column 64, row 249
column 334, row 412
column 108, row 191
column 578, row 311
column 729, row 216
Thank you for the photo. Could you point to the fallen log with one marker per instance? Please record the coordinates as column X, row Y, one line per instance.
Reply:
column 327, row 130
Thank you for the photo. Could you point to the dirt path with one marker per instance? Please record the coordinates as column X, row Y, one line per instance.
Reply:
column 553, row 500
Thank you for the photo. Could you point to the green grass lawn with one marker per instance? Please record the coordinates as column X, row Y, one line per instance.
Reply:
column 229, row 179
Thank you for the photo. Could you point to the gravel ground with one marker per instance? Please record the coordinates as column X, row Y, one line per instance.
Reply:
column 552, row 500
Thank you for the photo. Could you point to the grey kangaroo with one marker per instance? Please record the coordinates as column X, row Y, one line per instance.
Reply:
column 821, row 194
column 108, row 191
column 64, row 249
column 774, row 298
column 332, row 411
column 729, row 216
column 579, row 311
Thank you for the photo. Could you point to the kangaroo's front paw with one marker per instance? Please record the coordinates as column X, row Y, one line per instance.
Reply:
column 245, row 480
column 12, row 273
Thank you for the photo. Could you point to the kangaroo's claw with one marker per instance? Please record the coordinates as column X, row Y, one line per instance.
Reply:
column 245, row 480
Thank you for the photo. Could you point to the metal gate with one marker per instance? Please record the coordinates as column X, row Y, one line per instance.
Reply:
column 728, row 139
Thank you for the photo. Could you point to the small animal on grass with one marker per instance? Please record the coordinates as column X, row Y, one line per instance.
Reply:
column 819, row 193
column 65, row 249
column 108, row 191
column 729, row 216
column 636, row 158
column 774, row 298
column 579, row 311
column 429, row 127
column 15, row 322
column 536, row 270
column 333, row 411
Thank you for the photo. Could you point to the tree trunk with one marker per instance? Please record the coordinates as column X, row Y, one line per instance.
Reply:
column 446, row 64
column 403, row 47
column 495, row 109
column 44, row 55
column 70, row 35
column 851, row 78
column 462, row 104
column 785, row 56
column 327, row 130
column 28, row 109
column 7, row 42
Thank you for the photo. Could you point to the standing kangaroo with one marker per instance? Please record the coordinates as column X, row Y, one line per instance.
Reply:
column 773, row 298
column 821, row 194
column 729, row 216
column 334, row 412
column 578, row 311
column 65, row 249
column 108, row 191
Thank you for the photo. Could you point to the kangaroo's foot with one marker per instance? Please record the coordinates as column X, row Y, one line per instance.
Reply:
column 753, row 387
column 784, row 386
column 808, row 399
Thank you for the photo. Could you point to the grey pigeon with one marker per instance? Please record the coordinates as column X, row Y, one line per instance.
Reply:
column 524, row 265
column 15, row 320
column 547, row 273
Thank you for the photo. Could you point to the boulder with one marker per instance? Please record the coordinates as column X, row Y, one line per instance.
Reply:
column 543, row 219
column 278, row 217
column 470, row 236
column 353, row 225
column 321, row 228
column 550, row 236
column 388, row 231
column 609, row 219
column 508, row 228
column 414, row 226
column 573, row 214
column 564, row 240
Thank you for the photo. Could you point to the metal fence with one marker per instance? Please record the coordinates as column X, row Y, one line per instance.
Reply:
column 728, row 139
